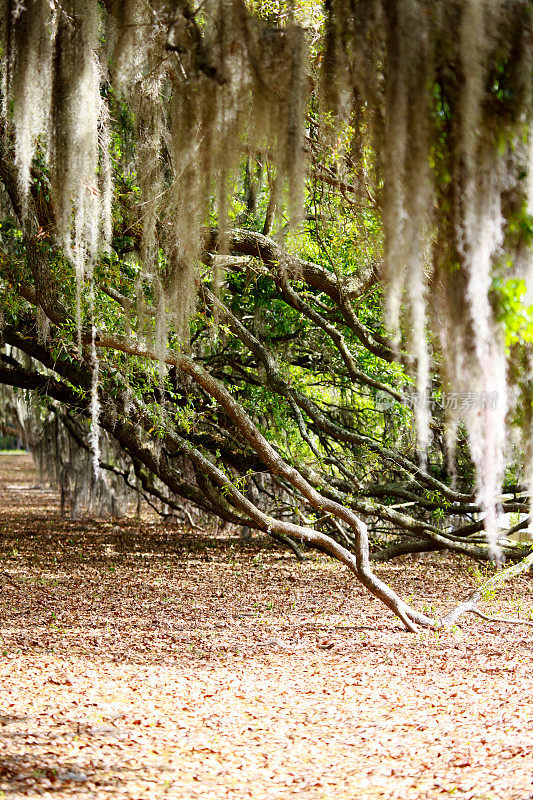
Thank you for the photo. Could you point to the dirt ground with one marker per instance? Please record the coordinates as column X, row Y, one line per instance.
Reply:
column 140, row 661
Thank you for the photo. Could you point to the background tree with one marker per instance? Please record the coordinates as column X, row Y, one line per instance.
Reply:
column 152, row 159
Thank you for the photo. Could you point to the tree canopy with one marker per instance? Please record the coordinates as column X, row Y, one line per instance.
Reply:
column 271, row 261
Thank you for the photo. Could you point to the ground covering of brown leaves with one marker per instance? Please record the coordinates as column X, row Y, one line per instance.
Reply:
column 138, row 660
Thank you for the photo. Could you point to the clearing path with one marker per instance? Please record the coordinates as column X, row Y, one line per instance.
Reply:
column 138, row 660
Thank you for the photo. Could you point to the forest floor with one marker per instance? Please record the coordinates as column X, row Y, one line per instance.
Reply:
column 138, row 660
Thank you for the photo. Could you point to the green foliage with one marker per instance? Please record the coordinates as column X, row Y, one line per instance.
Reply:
column 515, row 313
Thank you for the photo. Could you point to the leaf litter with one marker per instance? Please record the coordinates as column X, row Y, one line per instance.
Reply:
column 139, row 660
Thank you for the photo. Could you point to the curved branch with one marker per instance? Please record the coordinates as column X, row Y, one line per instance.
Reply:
column 359, row 564
column 277, row 383
column 251, row 243
column 469, row 606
